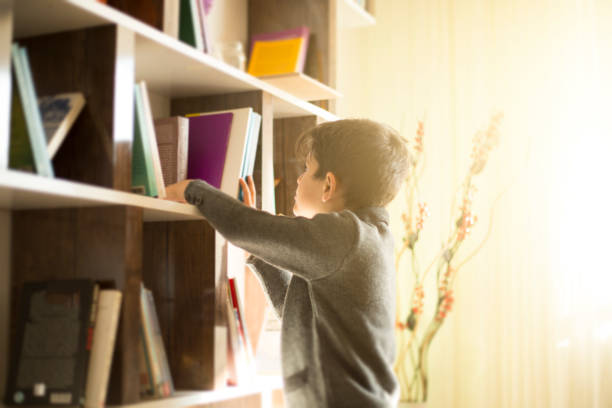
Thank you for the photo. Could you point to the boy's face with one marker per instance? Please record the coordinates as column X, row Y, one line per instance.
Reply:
column 309, row 192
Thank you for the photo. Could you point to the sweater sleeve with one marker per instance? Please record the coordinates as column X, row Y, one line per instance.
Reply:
column 310, row 248
column 274, row 281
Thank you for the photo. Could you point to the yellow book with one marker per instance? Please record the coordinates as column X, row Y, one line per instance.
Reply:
column 275, row 57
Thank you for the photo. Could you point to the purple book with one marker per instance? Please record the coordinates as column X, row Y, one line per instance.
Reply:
column 208, row 140
column 303, row 32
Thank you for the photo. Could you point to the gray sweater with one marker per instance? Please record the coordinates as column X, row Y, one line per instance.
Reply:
column 332, row 281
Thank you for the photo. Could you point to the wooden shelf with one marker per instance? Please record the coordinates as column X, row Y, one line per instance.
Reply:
column 23, row 191
column 261, row 385
column 351, row 15
column 170, row 67
column 302, row 86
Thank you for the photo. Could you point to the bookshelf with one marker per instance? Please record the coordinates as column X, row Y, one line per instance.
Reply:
column 86, row 223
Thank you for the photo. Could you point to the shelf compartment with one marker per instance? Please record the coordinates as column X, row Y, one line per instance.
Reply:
column 170, row 67
column 21, row 191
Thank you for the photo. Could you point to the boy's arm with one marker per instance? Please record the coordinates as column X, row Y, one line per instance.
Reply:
column 274, row 281
column 310, row 248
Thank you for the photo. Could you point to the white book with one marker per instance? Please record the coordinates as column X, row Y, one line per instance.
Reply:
column 171, row 18
column 59, row 112
column 235, row 148
column 150, row 128
column 197, row 25
column 103, row 345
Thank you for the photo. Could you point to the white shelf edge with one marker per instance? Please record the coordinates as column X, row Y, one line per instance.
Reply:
column 352, row 15
column 21, row 191
column 285, row 104
column 192, row 398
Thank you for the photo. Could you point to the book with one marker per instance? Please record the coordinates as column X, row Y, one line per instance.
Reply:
column 242, row 326
column 279, row 52
column 59, row 112
column 53, row 342
column 166, row 387
column 204, row 32
column 228, row 164
column 190, row 30
column 143, row 174
column 146, row 379
column 208, row 140
column 33, row 120
column 154, row 350
column 20, row 151
column 103, row 345
column 170, row 24
column 152, row 139
column 173, row 142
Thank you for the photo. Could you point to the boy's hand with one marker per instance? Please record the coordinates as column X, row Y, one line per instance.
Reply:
column 249, row 194
column 176, row 192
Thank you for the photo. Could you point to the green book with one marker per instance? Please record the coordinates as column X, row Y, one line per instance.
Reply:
column 20, row 151
column 143, row 175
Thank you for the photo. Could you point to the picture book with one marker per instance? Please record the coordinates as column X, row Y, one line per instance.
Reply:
column 33, row 120
column 172, row 142
column 59, row 112
column 51, row 349
column 102, row 347
column 278, row 52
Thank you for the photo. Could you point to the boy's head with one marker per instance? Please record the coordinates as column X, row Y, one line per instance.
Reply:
column 351, row 163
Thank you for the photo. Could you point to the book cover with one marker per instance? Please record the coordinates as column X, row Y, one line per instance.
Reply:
column 173, row 144
column 230, row 163
column 143, row 175
column 151, row 137
column 51, row 353
column 278, row 52
column 33, row 120
column 20, row 152
column 59, row 112
column 208, row 141
column 103, row 345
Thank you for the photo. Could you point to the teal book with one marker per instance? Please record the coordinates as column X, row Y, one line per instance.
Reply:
column 29, row 102
column 143, row 174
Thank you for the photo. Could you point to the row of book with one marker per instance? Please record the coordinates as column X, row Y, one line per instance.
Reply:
column 66, row 333
column 219, row 147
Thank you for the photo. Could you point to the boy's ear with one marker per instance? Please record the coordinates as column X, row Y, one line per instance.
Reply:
column 329, row 187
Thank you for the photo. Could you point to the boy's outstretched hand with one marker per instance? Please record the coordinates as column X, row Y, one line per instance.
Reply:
column 249, row 194
column 176, row 192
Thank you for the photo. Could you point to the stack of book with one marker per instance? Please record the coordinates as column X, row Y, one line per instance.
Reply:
column 66, row 331
column 181, row 19
column 38, row 125
column 64, row 344
column 219, row 147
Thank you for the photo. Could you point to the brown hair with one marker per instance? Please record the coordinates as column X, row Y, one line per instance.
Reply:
column 370, row 160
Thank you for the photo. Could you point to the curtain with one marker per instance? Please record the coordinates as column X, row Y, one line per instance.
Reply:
column 531, row 325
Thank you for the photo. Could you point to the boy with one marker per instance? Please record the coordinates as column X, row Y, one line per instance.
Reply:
column 329, row 271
